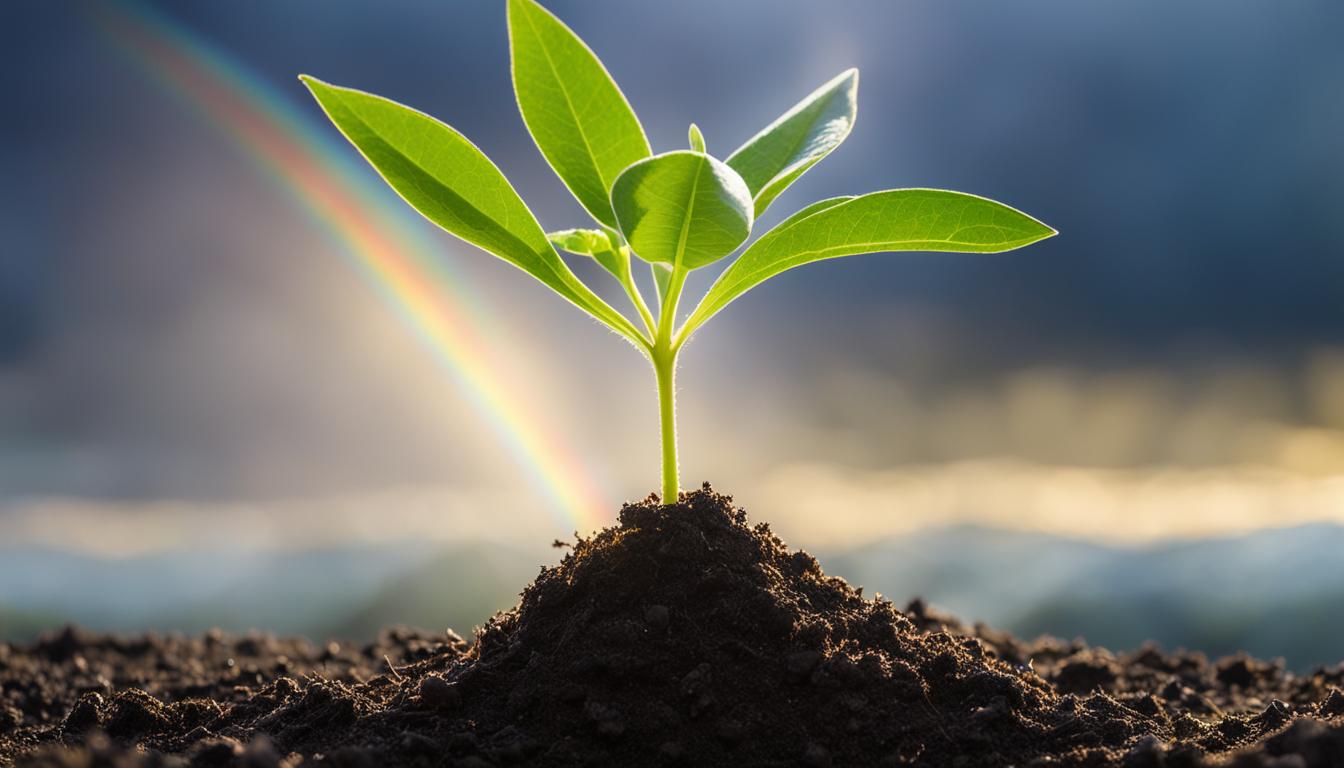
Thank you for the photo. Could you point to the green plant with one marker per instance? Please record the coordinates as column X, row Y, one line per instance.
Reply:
column 677, row 211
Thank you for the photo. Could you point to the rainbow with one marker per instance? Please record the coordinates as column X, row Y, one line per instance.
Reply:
column 383, row 240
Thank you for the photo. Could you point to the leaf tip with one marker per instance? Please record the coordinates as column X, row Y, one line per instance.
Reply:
column 1046, row 231
column 696, row 138
column 851, row 78
column 1034, row 231
column 847, row 82
column 315, row 85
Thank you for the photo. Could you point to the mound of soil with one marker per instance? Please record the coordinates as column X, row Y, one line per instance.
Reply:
column 681, row 636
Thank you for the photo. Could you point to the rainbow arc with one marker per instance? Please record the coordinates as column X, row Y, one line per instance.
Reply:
column 367, row 223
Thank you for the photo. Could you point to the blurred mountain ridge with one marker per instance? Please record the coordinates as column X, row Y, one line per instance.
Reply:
column 1273, row 592
column 1276, row 592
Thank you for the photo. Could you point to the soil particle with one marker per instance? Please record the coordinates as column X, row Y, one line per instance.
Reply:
column 681, row 636
column 656, row 616
column 439, row 693
column 1332, row 705
column 10, row 718
column 816, row 756
column 84, row 716
column 214, row 752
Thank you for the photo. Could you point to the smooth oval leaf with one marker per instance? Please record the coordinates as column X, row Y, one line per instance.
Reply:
column 453, row 184
column 775, row 158
column 579, row 119
column 595, row 244
column 894, row 220
column 682, row 208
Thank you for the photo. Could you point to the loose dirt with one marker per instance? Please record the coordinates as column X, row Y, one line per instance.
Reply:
column 680, row 636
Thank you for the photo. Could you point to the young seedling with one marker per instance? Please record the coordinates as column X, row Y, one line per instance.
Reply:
column 676, row 211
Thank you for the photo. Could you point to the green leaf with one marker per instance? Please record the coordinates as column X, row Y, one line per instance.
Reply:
column 682, row 208
column 775, row 158
column 593, row 243
column 579, row 118
column 816, row 207
column 453, row 184
column 894, row 220
column 662, row 278
column 696, row 138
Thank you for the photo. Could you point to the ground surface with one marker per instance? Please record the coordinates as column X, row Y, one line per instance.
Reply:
column 682, row 636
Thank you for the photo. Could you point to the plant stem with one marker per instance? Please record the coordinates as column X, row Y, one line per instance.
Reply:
column 637, row 298
column 665, row 369
column 664, row 358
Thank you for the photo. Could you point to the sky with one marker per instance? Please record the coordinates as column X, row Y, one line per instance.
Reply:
column 187, row 355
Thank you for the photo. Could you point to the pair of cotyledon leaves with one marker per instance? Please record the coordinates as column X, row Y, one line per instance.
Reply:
column 677, row 210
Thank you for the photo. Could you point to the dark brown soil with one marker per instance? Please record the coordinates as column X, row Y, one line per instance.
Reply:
column 682, row 636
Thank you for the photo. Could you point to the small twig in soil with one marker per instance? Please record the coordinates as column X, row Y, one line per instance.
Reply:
column 939, row 715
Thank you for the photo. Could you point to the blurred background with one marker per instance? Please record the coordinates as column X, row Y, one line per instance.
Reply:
column 242, row 385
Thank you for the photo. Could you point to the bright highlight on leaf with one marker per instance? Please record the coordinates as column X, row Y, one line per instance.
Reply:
column 678, row 211
column 594, row 243
column 774, row 158
column 682, row 208
column 662, row 278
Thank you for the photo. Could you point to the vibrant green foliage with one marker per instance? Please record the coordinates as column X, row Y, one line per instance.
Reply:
column 895, row 220
column 577, row 115
column 446, row 178
column 784, row 150
column 678, row 211
column 695, row 138
column 682, row 208
column 662, row 278
column 594, row 243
